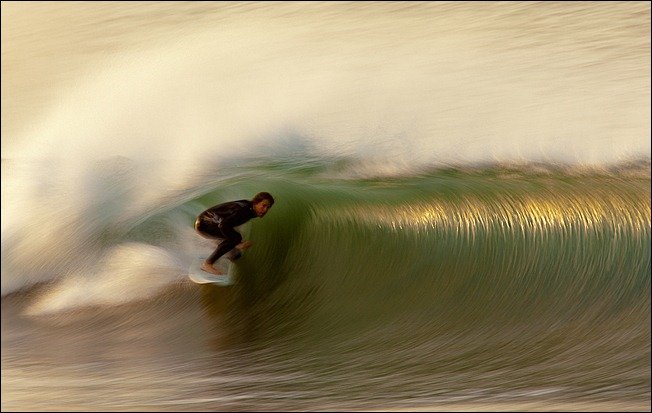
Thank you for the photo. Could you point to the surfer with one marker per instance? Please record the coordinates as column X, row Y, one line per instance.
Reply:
column 218, row 223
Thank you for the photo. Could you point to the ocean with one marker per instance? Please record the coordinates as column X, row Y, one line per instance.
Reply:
column 462, row 216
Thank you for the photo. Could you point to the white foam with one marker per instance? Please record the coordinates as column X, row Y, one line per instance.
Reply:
column 128, row 272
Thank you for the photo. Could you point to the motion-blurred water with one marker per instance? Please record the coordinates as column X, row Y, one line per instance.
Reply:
column 462, row 216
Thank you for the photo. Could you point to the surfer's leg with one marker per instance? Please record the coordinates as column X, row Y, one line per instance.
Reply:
column 222, row 248
column 237, row 251
column 211, row 230
column 225, row 246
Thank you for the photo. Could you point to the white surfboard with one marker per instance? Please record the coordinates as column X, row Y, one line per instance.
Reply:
column 199, row 276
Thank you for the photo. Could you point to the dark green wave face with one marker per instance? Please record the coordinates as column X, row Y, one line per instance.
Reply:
column 463, row 277
column 455, row 248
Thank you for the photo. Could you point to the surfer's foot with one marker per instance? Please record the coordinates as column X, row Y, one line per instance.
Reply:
column 210, row 269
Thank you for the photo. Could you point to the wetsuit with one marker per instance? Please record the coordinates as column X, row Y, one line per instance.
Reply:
column 219, row 221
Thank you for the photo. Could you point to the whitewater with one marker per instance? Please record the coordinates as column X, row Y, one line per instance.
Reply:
column 462, row 214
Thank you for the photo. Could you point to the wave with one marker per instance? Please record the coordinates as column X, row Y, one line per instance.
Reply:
column 380, row 142
column 506, row 241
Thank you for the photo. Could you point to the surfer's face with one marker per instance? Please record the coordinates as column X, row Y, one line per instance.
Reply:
column 262, row 207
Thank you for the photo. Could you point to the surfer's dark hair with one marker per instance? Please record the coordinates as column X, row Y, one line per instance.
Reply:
column 261, row 196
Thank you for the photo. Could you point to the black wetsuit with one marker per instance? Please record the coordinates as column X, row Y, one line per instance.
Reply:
column 219, row 221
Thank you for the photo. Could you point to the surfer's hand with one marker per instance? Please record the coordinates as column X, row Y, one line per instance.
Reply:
column 244, row 245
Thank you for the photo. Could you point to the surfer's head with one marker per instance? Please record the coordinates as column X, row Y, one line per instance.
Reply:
column 262, row 202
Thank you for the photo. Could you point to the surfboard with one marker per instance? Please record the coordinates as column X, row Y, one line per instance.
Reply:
column 199, row 276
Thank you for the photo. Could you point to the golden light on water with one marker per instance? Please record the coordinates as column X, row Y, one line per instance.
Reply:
column 591, row 210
